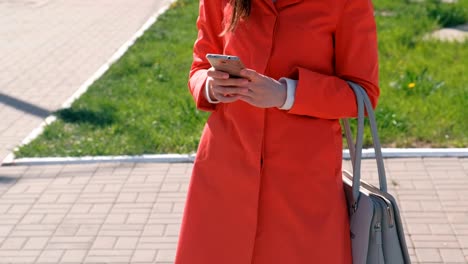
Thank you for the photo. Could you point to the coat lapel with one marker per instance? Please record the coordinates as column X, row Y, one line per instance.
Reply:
column 280, row 4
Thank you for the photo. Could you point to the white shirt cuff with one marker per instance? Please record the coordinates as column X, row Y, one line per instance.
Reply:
column 290, row 93
column 207, row 93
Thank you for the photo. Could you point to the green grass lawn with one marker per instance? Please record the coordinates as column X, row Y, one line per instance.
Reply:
column 142, row 104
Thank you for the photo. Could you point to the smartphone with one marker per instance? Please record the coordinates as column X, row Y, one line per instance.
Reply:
column 226, row 63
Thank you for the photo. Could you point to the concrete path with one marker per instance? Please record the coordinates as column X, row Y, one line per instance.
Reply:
column 458, row 33
column 49, row 48
column 131, row 213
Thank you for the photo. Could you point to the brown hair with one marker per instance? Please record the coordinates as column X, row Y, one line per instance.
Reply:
column 241, row 9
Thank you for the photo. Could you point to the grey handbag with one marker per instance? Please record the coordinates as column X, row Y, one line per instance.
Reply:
column 376, row 229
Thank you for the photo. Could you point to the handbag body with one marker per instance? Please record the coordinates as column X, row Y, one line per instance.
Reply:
column 377, row 235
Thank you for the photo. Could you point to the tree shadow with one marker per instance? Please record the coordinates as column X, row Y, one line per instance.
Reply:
column 23, row 106
column 101, row 118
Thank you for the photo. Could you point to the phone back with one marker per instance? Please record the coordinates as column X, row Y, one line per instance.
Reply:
column 229, row 64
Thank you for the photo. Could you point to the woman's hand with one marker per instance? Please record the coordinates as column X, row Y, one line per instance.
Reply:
column 225, row 89
column 263, row 91
column 254, row 88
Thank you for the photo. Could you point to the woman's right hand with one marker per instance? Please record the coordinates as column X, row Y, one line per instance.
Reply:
column 224, row 89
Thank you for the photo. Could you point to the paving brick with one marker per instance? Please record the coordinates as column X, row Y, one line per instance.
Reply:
column 9, row 219
column 452, row 256
column 81, row 208
column 137, row 218
column 121, row 230
column 57, row 209
column 159, row 240
column 126, row 243
column 127, row 197
column 84, row 218
column 97, row 198
column 135, row 208
column 172, row 230
column 67, row 198
column 36, row 243
column 32, row 219
column 163, row 207
column 411, row 206
column 460, row 229
column 112, row 188
column 170, row 187
column 429, row 255
column 458, row 217
column 153, row 230
column 4, row 208
column 418, row 229
column 32, row 233
column 88, row 230
column 178, row 207
column 173, row 219
column 441, row 229
column 165, row 255
column 146, row 197
column 109, row 256
column 184, row 187
column 120, row 218
column 53, row 218
column 50, row 256
column 73, row 256
column 19, row 209
column 141, row 187
column 104, row 242
column 13, row 243
column 101, row 208
column 463, row 239
column 144, row 256
column 82, row 179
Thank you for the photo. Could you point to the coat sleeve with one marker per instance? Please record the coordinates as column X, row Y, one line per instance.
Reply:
column 209, row 24
column 356, row 59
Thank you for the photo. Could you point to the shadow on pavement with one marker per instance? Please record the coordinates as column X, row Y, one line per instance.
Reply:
column 7, row 180
column 24, row 106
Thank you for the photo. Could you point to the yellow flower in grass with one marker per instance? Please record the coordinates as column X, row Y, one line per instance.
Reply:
column 411, row 85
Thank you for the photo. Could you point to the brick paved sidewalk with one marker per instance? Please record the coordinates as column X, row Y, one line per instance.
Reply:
column 49, row 48
column 131, row 213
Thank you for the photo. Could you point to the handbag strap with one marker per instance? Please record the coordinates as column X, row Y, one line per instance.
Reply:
column 355, row 151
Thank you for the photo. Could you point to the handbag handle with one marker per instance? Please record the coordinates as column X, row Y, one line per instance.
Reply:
column 363, row 103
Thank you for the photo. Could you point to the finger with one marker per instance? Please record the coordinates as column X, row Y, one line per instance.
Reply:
column 249, row 74
column 230, row 90
column 226, row 99
column 231, row 82
column 217, row 74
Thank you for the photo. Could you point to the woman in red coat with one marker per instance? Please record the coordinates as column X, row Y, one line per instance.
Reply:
column 266, row 186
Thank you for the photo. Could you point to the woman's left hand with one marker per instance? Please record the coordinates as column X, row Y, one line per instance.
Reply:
column 264, row 92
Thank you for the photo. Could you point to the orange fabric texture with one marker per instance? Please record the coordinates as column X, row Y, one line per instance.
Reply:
column 266, row 186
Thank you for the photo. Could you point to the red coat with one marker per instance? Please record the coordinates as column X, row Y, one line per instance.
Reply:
column 266, row 185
